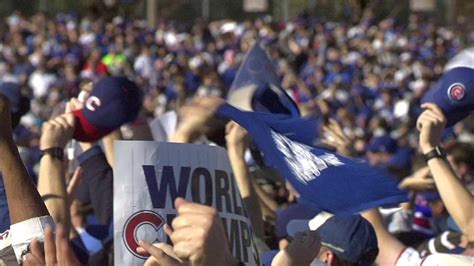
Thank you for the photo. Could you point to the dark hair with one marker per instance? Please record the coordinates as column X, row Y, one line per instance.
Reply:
column 463, row 153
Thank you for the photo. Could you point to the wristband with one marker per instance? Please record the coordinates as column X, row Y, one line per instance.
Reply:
column 55, row 152
column 436, row 152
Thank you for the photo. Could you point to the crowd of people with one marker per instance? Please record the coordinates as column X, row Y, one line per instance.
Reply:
column 365, row 80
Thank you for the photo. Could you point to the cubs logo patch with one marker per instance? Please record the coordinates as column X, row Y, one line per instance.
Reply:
column 134, row 222
column 456, row 92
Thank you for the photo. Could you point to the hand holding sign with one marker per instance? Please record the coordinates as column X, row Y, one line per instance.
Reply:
column 198, row 235
column 430, row 124
column 161, row 254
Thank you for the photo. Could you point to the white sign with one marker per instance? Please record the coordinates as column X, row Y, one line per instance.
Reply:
column 148, row 176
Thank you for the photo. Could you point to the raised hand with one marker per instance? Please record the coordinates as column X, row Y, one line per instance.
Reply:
column 336, row 138
column 237, row 137
column 430, row 124
column 196, row 118
column 57, row 132
column 198, row 235
column 161, row 254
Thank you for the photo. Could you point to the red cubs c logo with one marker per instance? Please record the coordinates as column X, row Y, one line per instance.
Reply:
column 456, row 92
column 131, row 227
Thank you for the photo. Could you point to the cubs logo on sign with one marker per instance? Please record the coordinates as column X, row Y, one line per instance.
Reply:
column 135, row 222
column 149, row 176
column 456, row 92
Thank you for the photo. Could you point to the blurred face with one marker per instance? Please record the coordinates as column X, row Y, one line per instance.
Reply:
column 387, row 98
column 376, row 158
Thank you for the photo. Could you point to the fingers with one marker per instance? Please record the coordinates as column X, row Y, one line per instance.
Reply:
column 151, row 261
column 150, row 249
column 168, row 249
column 178, row 202
column 334, row 129
column 73, row 105
column 188, row 219
column 183, row 207
column 60, row 249
column 432, row 113
column 229, row 127
column 432, row 107
column 168, row 230
column 158, row 255
column 49, row 246
column 187, row 251
column 194, row 208
column 65, row 255
column 36, row 255
column 183, row 234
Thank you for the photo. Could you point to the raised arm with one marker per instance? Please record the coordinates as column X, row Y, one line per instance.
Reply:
column 24, row 201
column 459, row 202
column 237, row 143
column 51, row 180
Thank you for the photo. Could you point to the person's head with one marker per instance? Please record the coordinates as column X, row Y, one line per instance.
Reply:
column 343, row 240
column 380, row 149
column 145, row 50
column 347, row 240
column 461, row 156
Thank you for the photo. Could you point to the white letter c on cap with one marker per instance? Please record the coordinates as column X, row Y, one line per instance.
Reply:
column 91, row 101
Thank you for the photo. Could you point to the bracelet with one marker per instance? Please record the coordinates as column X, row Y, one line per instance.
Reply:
column 55, row 152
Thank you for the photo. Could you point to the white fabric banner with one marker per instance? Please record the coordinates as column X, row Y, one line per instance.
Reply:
column 148, row 176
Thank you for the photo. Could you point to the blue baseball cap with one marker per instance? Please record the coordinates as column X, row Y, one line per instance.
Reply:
column 351, row 238
column 298, row 211
column 454, row 94
column 113, row 102
column 383, row 143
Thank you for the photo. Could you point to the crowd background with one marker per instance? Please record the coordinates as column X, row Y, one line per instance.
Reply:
column 371, row 74
column 368, row 75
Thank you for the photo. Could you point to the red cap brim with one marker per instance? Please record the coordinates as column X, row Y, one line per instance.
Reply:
column 86, row 132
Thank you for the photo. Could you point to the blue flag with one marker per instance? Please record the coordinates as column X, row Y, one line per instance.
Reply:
column 256, row 86
column 328, row 181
